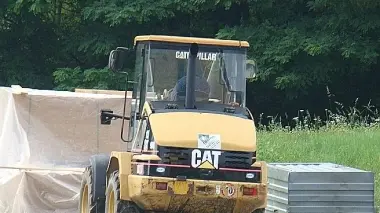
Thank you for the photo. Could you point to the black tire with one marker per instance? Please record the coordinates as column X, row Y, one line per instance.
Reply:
column 113, row 202
column 259, row 211
column 86, row 201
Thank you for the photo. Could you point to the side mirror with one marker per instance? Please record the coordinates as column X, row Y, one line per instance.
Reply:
column 116, row 60
column 251, row 69
column 105, row 118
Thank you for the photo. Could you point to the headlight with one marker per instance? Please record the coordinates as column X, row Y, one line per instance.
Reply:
column 250, row 175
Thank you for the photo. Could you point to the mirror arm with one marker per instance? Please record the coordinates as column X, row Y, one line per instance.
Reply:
column 116, row 116
column 249, row 113
column 108, row 115
column 124, row 108
column 123, row 48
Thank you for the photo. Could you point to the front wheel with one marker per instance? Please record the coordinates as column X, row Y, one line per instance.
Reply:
column 86, row 199
column 113, row 202
column 259, row 211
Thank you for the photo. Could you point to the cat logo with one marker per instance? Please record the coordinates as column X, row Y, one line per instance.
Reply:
column 206, row 159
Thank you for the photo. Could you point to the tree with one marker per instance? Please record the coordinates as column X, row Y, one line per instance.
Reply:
column 301, row 47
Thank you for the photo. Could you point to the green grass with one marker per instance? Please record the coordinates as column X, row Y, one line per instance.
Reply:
column 357, row 147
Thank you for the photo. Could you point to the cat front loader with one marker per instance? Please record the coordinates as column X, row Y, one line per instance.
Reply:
column 192, row 140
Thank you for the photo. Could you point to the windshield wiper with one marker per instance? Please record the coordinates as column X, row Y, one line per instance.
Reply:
column 226, row 80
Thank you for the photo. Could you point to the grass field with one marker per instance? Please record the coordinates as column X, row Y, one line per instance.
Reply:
column 355, row 147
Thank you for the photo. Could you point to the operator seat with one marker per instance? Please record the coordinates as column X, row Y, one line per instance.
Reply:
column 202, row 90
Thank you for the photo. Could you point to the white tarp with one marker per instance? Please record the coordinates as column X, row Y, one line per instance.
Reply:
column 46, row 139
column 43, row 191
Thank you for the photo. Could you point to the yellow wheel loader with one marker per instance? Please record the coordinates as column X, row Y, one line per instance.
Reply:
column 192, row 140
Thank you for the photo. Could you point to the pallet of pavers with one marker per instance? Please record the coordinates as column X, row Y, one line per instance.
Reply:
column 46, row 139
column 319, row 188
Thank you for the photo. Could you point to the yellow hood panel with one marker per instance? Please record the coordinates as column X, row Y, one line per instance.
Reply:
column 182, row 129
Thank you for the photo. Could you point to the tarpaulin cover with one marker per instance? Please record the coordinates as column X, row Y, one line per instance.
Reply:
column 46, row 139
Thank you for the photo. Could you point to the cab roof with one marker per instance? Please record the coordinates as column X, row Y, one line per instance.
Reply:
column 180, row 39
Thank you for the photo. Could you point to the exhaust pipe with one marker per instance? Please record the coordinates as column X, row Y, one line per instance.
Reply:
column 190, row 77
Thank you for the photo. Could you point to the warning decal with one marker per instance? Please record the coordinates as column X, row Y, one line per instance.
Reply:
column 209, row 141
column 229, row 190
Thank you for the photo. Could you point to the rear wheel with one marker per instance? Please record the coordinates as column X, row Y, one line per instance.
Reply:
column 86, row 200
column 113, row 202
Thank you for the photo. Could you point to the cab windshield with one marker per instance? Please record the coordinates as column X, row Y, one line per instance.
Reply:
column 220, row 73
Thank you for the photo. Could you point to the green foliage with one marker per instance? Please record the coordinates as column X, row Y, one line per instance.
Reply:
column 300, row 46
column 338, row 117
column 69, row 79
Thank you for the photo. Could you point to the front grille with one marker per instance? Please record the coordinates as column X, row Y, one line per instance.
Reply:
column 174, row 156
column 239, row 160
column 233, row 166
column 228, row 159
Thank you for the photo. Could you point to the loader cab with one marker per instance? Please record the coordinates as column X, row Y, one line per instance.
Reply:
column 160, row 69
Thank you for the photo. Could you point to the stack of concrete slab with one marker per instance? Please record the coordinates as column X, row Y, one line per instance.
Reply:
column 319, row 187
column 46, row 139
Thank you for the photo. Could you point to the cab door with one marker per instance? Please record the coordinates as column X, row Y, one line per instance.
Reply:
column 139, row 89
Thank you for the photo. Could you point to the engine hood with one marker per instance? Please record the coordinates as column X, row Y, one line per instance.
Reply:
column 203, row 131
